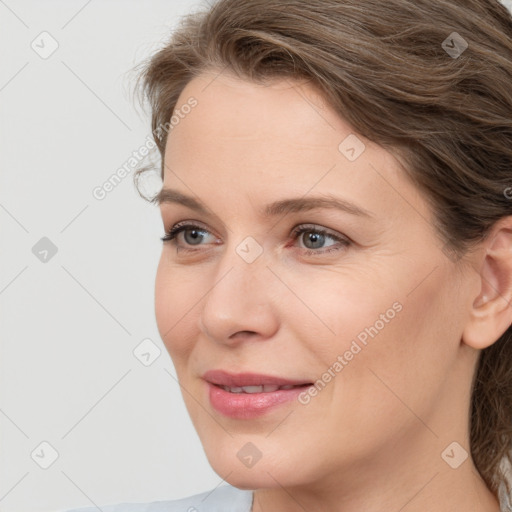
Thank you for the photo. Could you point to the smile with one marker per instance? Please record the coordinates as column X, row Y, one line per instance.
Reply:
column 267, row 388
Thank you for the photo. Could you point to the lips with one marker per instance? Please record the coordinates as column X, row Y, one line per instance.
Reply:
column 250, row 382
column 245, row 396
column 265, row 388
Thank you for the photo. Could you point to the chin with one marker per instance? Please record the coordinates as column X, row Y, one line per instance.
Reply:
column 254, row 478
column 267, row 472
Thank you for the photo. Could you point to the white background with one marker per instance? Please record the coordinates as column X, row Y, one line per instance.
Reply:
column 69, row 326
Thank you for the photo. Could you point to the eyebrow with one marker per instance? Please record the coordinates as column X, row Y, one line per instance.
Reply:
column 284, row 206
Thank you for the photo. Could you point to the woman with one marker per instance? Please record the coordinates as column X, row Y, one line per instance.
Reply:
column 335, row 283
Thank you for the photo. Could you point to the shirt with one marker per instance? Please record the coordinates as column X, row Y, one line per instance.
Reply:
column 225, row 498
column 222, row 499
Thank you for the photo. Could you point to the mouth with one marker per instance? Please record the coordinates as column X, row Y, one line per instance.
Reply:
column 249, row 395
column 265, row 388
column 250, row 382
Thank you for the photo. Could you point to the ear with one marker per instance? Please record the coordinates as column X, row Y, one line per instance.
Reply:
column 491, row 312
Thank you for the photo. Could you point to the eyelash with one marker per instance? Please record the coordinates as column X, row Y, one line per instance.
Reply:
column 171, row 235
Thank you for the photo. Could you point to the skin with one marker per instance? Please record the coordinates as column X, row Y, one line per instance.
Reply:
column 372, row 439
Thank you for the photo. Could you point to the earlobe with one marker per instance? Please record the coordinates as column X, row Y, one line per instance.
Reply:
column 491, row 311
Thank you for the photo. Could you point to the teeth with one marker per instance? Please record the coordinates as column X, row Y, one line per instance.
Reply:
column 266, row 388
column 252, row 389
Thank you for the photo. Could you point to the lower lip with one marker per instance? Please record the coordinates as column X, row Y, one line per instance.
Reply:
column 250, row 405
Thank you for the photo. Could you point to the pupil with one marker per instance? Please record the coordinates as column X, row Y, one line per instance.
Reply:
column 195, row 235
column 315, row 238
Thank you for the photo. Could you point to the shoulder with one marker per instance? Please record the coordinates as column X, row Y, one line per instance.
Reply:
column 221, row 499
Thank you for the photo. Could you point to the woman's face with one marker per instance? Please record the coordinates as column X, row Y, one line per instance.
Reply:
column 364, row 302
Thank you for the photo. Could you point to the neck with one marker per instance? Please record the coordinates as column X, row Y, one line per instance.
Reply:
column 413, row 484
column 407, row 474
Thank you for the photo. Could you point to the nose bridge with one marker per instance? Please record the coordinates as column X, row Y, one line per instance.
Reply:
column 239, row 298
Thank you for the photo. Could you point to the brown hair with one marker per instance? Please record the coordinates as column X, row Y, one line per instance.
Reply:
column 440, row 102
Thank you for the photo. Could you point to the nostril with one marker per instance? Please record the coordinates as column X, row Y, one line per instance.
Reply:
column 243, row 332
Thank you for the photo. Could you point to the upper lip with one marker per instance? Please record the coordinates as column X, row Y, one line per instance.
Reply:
column 223, row 378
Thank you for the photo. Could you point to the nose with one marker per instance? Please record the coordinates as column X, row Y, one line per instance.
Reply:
column 239, row 304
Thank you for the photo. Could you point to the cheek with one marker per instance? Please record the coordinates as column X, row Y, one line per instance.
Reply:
column 344, row 306
column 404, row 361
column 175, row 298
column 404, row 333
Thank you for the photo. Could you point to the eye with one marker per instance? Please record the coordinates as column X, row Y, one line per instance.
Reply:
column 196, row 234
column 317, row 237
column 193, row 235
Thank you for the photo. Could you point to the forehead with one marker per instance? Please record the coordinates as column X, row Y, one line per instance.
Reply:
column 249, row 138
column 240, row 110
column 275, row 130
